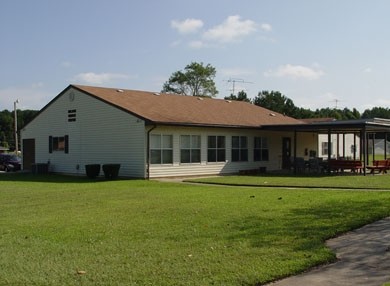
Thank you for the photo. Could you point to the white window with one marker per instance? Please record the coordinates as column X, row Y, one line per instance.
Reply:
column 189, row 149
column 216, row 150
column 239, row 148
column 326, row 149
column 161, row 149
column 260, row 150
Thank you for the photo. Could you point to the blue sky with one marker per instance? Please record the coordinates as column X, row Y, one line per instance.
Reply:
column 318, row 53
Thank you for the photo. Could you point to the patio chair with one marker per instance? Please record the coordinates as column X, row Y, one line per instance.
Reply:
column 315, row 166
column 299, row 164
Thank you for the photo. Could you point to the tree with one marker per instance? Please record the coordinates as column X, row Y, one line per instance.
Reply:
column 275, row 101
column 7, row 137
column 195, row 80
column 241, row 96
column 379, row 112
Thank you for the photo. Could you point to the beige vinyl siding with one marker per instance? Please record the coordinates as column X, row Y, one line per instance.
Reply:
column 206, row 168
column 101, row 134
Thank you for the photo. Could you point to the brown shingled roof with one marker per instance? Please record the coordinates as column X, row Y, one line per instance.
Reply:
column 187, row 110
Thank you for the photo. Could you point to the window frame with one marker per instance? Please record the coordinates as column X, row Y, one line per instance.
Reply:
column 218, row 150
column 260, row 149
column 325, row 147
column 59, row 144
column 195, row 152
column 239, row 149
column 161, row 149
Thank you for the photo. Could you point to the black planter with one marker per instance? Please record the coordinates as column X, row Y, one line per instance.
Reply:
column 111, row 171
column 92, row 170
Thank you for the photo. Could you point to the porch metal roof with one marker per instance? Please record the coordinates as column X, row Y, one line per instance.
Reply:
column 338, row 126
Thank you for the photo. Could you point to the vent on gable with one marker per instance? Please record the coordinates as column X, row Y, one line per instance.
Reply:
column 228, row 101
column 71, row 115
column 119, row 90
column 156, row 93
column 272, row 114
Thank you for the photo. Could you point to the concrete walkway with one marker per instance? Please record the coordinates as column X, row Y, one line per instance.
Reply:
column 363, row 259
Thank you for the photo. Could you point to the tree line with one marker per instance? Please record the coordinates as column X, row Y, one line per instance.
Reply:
column 7, row 125
column 197, row 79
column 276, row 101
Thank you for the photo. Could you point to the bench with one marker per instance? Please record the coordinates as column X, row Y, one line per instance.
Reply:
column 342, row 165
column 379, row 165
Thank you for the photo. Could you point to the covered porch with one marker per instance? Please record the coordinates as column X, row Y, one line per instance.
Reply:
column 364, row 132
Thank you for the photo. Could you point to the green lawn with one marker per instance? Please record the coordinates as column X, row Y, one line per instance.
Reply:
column 346, row 181
column 57, row 230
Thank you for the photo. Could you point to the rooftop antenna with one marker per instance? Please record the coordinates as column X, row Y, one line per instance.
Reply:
column 336, row 102
column 234, row 80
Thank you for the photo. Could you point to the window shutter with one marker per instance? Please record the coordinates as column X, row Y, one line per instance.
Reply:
column 50, row 144
column 66, row 144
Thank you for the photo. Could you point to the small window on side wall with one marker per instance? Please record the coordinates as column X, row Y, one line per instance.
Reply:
column 59, row 144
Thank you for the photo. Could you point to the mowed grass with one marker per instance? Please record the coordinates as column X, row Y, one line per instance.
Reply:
column 57, row 230
column 345, row 181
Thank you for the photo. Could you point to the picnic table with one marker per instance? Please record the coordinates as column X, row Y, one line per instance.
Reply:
column 381, row 166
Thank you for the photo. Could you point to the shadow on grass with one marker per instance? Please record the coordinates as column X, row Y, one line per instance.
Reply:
column 296, row 237
column 306, row 229
column 50, row 178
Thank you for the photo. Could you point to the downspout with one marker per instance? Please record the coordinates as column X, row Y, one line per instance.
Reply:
column 148, row 151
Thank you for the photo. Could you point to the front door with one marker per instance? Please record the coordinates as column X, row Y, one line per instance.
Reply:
column 28, row 153
column 286, row 153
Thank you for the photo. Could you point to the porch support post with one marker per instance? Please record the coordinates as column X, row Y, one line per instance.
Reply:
column 363, row 135
column 338, row 146
column 354, row 146
column 295, row 151
column 344, row 145
column 329, row 148
column 373, row 146
column 385, row 146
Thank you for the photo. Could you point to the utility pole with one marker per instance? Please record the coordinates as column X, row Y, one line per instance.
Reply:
column 16, row 128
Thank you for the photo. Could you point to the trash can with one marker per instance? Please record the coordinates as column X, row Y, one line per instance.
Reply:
column 40, row 168
column 111, row 171
column 92, row 170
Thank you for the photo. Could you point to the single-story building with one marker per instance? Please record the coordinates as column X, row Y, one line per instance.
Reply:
column 155, row 135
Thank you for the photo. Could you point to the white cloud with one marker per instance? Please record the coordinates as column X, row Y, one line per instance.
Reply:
column 367, row 70
column 233, row 29
column 266, row 27
column 102, row 78
column 188, row 26
column 197, row 44
column 295, row 72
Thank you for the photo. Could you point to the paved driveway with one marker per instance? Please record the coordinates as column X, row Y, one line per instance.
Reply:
column 363, row 259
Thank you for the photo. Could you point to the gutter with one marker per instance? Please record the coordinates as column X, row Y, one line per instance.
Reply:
column 148, row 151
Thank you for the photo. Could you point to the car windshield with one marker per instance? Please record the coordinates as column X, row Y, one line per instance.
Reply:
column 10, row 157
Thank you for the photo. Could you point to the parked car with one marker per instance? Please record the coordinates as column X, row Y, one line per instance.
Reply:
column 10, row 162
